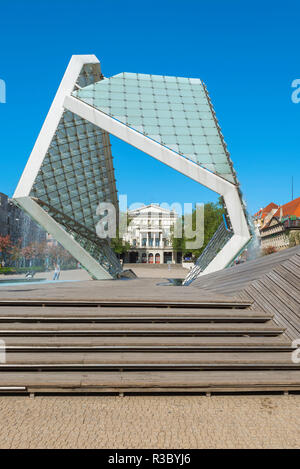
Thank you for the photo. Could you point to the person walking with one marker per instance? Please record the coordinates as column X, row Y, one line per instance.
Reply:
column 56, row 272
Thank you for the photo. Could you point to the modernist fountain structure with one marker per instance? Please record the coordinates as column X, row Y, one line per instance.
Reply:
column 70, row 170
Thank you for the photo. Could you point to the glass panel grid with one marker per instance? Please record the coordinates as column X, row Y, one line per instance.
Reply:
column 174, row 111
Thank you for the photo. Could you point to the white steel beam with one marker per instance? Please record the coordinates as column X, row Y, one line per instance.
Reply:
column 183, row 165
column 51, row 123
column 65, row 239
column 22, row 192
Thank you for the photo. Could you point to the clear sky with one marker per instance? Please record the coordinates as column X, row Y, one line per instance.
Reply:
column 246, row 52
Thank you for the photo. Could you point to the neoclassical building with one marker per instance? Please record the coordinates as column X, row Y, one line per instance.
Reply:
column 149, row 235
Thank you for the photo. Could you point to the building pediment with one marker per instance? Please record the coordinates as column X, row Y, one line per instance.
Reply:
column 146, row 209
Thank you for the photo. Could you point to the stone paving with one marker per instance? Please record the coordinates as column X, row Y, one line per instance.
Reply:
column 141, row 270
column 163, row 422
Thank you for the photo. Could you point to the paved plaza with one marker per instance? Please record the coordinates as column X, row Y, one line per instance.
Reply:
column 141, row 270
column 150, row 422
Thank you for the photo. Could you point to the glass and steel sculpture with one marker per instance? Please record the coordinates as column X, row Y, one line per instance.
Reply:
column 70, row 169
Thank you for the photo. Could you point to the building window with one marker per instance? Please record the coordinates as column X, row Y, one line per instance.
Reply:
column 150, row 242
column 157, row 242
column 150, row 258
column 144, row 241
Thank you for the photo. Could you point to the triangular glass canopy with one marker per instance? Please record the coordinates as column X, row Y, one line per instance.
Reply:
column 175, row 112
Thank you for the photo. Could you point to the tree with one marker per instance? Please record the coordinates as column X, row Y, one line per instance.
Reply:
column 28, row 252
column 213, row 213
column 16, row 253
column 5, row 246
column 57, row 254
column 294, row 239
column 119, row 246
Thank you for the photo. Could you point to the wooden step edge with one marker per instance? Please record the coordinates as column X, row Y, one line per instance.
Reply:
column 149, row 388
column 150, row 367
column 164, row 333
column 150, row 348
column 128, row 303
column 137, row 320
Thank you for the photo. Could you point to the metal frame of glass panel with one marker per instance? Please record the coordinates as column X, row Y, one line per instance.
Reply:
column 171, row 119
column 70, row 169
column 69, row 172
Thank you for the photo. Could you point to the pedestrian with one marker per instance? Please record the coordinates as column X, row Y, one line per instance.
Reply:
column 56, row 272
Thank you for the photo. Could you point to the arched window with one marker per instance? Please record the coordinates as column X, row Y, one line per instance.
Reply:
column 150, row 258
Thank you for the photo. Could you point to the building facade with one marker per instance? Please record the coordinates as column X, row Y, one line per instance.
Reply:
column 264, row 215
column 19, row 226
column 149, row 234
column 279, row 225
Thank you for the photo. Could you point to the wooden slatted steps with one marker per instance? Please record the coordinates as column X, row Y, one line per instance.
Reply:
column 271, row 282
column 115, row 314
column 147, row 344
column 124, row 346
column 137, row 329
column 153, row 361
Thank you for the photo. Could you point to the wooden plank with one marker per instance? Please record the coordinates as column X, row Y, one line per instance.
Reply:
column 87, row 313
column 151, row 381
column 288, row 276
column 131, row 358
column 128, row 303
column 234, row 279
column 131, row 342
column 282, row 292
column 268, row 301
column 111, row 329
column 292, row 268
column 296, row 260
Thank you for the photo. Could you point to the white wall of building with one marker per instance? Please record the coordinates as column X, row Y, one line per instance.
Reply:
column 149, row 234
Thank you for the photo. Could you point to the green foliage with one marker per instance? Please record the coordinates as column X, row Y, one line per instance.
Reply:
column 213, row 213
column 294, row 239
column 119, row 246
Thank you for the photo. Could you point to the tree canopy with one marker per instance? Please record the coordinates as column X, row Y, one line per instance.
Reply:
column 213, row 213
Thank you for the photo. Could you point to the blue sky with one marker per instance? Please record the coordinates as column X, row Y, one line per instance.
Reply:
column 247, row 53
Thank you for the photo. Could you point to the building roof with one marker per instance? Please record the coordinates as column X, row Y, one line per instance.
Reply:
column 263, row 212
column 290, row 209
column 151, row 208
